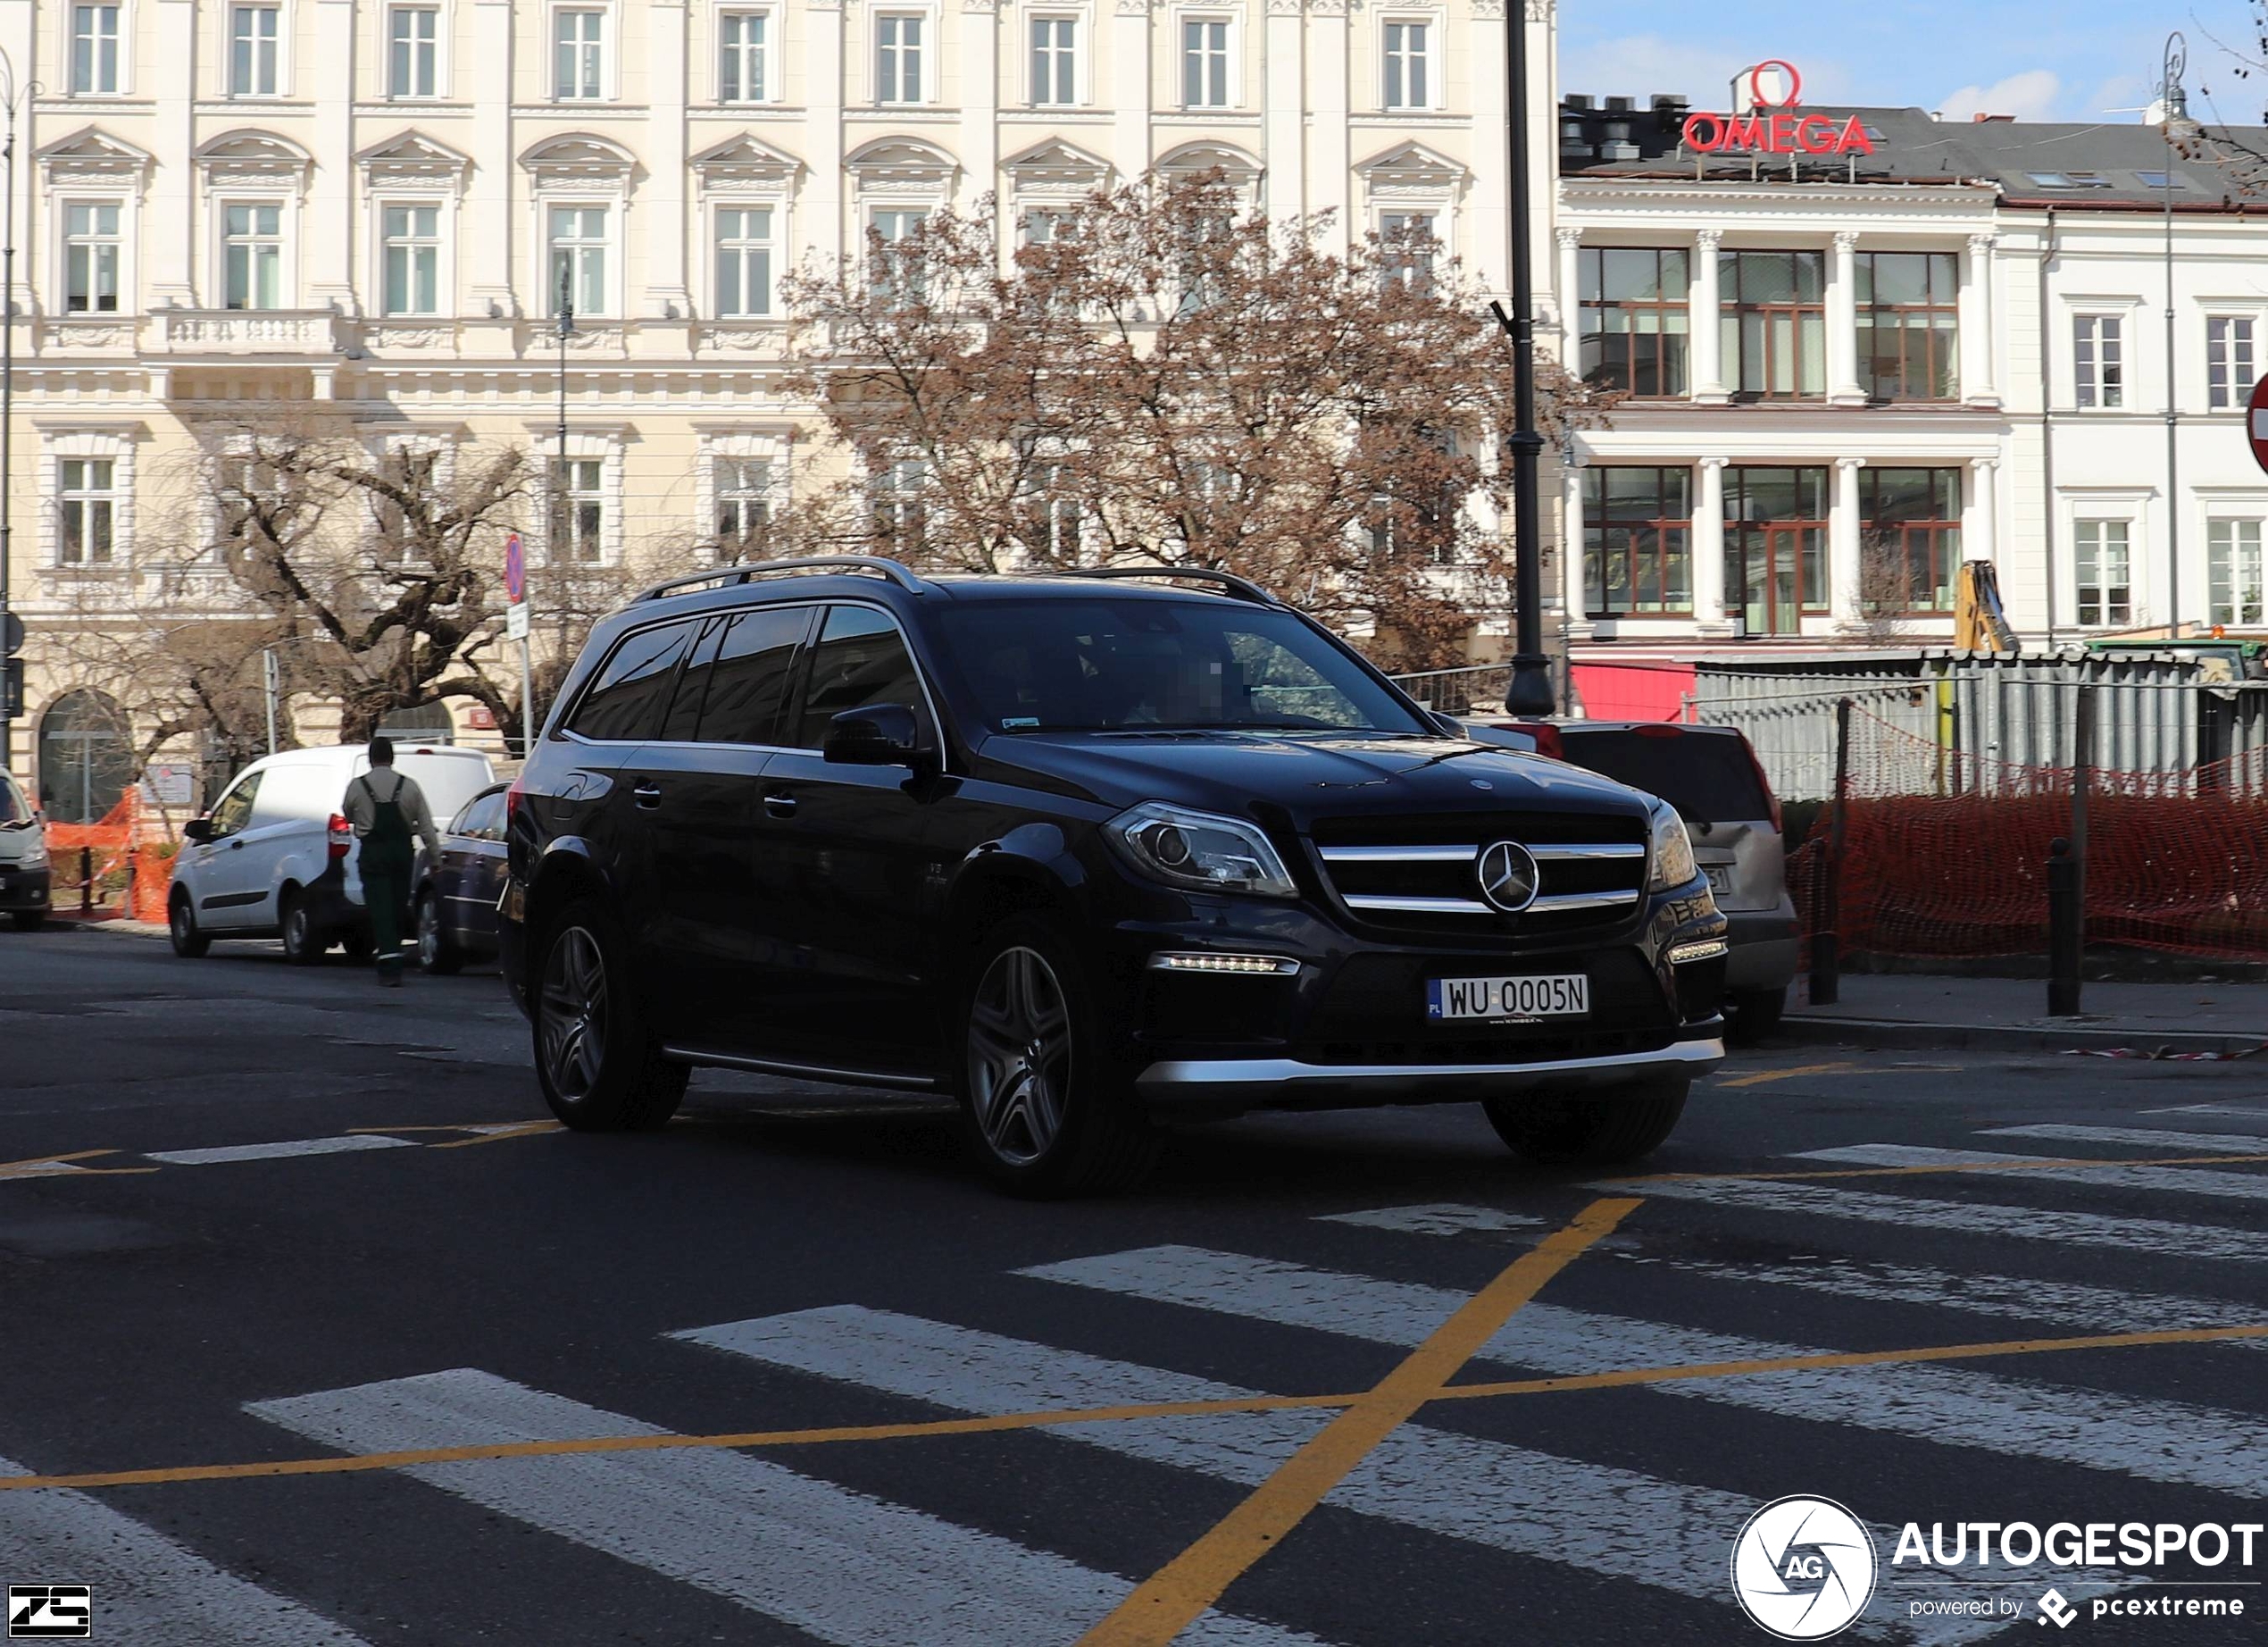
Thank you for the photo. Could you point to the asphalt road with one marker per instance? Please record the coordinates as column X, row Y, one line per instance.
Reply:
column 424, row 1266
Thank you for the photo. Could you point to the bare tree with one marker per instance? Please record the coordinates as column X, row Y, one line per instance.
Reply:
column 1166, row 379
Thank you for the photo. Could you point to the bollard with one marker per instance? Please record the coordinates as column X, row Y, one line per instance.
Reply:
column 85, row 879
column 2066, row 933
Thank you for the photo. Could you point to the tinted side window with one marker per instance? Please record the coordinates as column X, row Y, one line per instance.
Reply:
column 624, row 704
column 482, row 819
column 235, row 810
column 860, row 659
column 683, row 725
column 1707, row 779
column 749, row 687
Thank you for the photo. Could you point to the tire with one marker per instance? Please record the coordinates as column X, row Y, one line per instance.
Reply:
column 437, row 953
column 1045, row 1108
column 29, row 920
column 304, row 942
column 1752, row 1015
column 1590, row 1129
column 180, row 926
column 599, row 1068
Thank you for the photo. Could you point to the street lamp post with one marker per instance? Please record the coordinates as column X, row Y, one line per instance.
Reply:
column 1528, row 691
column 2173, row 104
column 12, row 97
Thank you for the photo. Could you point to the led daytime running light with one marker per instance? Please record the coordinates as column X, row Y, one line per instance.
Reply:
column 1706, row 950
column 1245, row 965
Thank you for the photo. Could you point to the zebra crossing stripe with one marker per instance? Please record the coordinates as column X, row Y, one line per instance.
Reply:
column 2157, row 1440
column 2235, row 1144
column 1437, row 1218
column 145, row 1587
column 2172, row 1180
column 268, row 1152
column 1996, row 1221
column 842, row 1565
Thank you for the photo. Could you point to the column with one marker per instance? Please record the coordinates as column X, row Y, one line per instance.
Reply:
column 1283, row 120
column 1843, row 387
column 980, row 103
column 329, row 234
column 819, row 222
column 1979, row 384
column 1571, row 570
column 1980, row 521
column 1130, row 89
column 1844, row 570
column 489, row 216
column 1701, row 303
column 1568, row 299
column 1331, row 169
column 1708, row 547
column 667, row 294
column 1484, row 230
column 168, row 75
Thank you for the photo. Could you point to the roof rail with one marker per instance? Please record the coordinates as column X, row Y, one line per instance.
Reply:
column 1243, row 588
column 743, row 571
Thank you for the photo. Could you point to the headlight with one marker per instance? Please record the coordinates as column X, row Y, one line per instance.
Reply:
column 35, row 856
column 1198, row 852
column 1669, row 851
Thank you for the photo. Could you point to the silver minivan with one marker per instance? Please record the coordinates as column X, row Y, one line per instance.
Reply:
column 1711, row 776
column 25, row 880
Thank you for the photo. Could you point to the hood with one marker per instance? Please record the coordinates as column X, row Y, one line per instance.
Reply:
column 1308, row 774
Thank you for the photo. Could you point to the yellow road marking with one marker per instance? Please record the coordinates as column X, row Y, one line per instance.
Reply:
column 30, row 1168
column 1178, row 1595
column 2025, row 1163
column 1762, row 1076
column 527, row 1131
column 994, row 1424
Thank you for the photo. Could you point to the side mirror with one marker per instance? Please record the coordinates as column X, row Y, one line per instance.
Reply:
column 197, row 829
column 879, row 735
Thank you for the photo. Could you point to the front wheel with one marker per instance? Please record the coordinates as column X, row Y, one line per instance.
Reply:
column 1045, row 1108
column 436, row 953
column 1590, row 1129
column 181, row 927
column 31, row 919
column 304, row 942
column 600, row 1070
column 1751, row 1015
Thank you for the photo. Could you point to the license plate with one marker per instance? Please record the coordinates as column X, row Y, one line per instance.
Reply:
column 1719, row 878
column 1562, row 995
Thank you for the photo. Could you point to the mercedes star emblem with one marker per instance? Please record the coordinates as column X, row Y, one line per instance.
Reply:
column 1507, row 874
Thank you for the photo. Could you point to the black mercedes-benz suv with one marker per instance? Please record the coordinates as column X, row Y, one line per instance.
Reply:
column 1086, row 851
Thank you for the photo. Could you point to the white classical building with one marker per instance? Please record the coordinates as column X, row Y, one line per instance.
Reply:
column 369, row 203
column 1849, row 371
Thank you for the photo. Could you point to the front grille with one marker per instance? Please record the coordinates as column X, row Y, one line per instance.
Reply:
column 1419, row 874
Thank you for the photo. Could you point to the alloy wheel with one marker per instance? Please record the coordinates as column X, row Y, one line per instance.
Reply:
column 574, row 1012
column 1019, row 1055
column 429, row 933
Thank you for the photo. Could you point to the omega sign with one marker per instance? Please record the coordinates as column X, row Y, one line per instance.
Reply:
column 1775, row 127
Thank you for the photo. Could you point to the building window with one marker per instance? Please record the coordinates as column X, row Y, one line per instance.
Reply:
column 1634, row 319
column 1407, row 245
column 578, row 511
column 412, row 260
column 2232, row 572
column 1909, row 538
column 414, row 52
column 90, row 258
column 895, row 267
column 897, row 59
column 1909, row 308
column 1046, row 225
column 2228, row 361
column 1775, row 547
column 1049, row 515
column 1054, row 60
column 94, row 51
column 743, row 261
column 254, row 38
column 2102, row 562
column 2098, row 359
column 578, row 257
column 1204, row 62
column 744, row 506
column 253, row 252
column 579, row 55
column 1409, row 77
column 740, row 56
column 901, row 505
column 1638, row 539
column 1773, row 322
column 87, row 495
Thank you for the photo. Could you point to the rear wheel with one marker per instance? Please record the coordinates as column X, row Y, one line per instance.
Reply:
column 304, row 942
column 435, row 952
column 1590, row 1129
column 181, row 927
column 1045, row 1108
column 1751, row 1015
column 599, row 1068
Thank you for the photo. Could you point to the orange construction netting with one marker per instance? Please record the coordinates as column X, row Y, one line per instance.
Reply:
column 121, row 841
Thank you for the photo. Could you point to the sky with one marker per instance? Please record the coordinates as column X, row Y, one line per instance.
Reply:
column 2060, row 60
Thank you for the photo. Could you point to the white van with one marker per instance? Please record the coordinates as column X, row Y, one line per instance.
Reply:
column 24, row 877
column 275, row 857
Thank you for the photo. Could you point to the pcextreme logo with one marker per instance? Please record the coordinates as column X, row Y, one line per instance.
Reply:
column 1803, row 1567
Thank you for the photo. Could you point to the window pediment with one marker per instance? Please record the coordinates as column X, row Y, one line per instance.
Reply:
column 1411, row 169
column 1237, row 167
column 253, row 159
column 92, row 155
column 903, row 163
column 578, row 157
column 1059, row 169
column 742, row 165
column 412, row 157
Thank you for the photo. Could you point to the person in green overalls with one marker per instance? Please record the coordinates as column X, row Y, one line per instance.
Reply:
column 389, row 816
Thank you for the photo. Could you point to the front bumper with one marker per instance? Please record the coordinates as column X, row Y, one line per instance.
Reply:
column 27, row 890
column 1232, row 1086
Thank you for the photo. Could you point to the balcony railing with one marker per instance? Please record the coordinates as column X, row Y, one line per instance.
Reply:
column 245, row 332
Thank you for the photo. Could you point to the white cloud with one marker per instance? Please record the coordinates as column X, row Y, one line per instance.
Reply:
column 2032, row 94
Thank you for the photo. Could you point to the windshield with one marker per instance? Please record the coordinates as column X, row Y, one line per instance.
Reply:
column 1056, row 664
column 12, row 809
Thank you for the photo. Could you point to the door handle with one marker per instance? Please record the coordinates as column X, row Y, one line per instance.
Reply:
column 780, row 806
column 646, row 793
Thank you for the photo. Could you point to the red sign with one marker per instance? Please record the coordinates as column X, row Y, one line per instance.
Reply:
column 2257, row 423
column 1772, row 127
